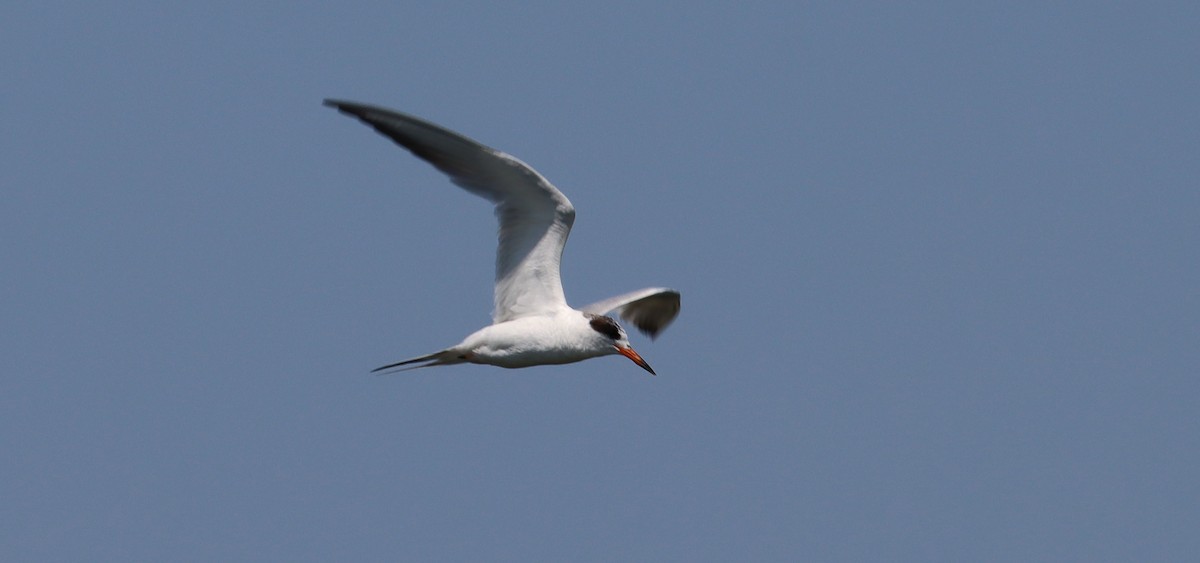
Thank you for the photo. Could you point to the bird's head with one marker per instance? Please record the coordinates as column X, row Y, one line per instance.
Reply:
column 615, row 335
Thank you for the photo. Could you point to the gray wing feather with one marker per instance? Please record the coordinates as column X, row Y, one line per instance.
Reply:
column 650, row 309
column 535, row 218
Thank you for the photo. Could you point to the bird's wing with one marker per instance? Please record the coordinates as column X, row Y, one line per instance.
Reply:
column 535, row 218
column 650, row 309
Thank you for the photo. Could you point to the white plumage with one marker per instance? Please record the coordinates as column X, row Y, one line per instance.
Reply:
column 532, row 323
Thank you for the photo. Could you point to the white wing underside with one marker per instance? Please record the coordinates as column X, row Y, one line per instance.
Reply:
column 535, row 218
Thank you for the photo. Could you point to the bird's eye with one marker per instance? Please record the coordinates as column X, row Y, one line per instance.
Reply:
column 606, row 326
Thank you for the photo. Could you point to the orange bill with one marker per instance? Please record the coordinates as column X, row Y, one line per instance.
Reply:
column 637, row 359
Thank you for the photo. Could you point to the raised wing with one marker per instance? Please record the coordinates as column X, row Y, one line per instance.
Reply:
column 650, row 309
column 535, row 218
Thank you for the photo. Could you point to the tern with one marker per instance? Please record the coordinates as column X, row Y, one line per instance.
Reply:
column 531, row 324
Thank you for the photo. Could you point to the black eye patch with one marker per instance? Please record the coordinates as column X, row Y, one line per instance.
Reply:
column 605, row 326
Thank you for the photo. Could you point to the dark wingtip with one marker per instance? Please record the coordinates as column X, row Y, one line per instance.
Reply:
column 651, row 330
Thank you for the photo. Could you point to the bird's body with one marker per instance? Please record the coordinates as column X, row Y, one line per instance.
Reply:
column 562, row 338
column 532, row 323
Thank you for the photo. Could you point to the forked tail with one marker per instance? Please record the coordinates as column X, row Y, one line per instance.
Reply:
column 443, row 358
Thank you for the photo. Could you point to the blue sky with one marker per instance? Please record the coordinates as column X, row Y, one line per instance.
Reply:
column 938, row 264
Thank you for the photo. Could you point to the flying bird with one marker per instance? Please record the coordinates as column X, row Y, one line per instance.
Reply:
column 531, row 323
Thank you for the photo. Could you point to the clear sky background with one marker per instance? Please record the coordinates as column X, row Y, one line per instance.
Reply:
column 939, row 266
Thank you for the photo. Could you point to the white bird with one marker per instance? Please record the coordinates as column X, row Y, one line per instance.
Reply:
column 532, row 323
